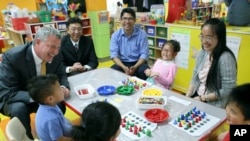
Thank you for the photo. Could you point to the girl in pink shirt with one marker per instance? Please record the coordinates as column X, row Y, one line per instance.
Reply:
column 164, row 69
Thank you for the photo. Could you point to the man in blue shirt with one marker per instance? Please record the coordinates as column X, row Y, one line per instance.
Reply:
column 129, row 46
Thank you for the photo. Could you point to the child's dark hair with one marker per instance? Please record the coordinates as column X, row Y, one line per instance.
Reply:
column 240, row 95
column 41, row 86
column 73, row 20
column 174, row 43
column 99, row 122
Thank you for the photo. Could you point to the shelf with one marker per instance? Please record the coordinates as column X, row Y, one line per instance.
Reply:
column 32, row 28
column 157, row 36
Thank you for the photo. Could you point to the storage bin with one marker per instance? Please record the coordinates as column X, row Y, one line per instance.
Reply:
column 150, row 30
column 44, row 16
column 86, row 31
column 151, row 42
column 161, row 32
column 151, row 52
column 86, row 22
column 61, row 26
column 160, row 42
column 18, row 23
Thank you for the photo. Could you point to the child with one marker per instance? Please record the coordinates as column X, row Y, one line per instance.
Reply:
column 100, row 121
column 237, row 108
column 164, row 69
column 50, row 123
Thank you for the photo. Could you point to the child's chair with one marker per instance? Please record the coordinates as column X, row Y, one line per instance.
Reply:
column 15, row 130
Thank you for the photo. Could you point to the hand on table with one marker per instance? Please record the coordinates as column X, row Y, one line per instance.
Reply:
column 78, row 67
column 66, row 91
column 197, row 98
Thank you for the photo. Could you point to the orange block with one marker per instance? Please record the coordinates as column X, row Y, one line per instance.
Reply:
column 96, row 5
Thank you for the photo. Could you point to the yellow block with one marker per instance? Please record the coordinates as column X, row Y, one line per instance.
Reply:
column 96, row 5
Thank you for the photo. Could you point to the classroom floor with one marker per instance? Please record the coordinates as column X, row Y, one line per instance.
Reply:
column 70, row 115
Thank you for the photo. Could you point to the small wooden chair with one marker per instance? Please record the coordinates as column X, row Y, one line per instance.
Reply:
column 15, row 130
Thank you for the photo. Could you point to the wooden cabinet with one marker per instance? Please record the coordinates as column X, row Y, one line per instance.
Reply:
column 32, row 28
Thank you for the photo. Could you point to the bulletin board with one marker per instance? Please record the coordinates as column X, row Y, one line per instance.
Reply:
column 239, row 36
column 185, row 69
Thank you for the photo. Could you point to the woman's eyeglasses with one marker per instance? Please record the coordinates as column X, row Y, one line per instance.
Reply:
column 206, row 38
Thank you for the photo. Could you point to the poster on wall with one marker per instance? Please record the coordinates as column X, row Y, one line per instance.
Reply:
column 157, row 13
column 57, row 7
column 234, row 44
column 183, row 36
column 103, row 17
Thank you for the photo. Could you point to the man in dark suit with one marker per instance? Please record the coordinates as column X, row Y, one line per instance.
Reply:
column 21, row 64
column 142, row 5
column 78, row 52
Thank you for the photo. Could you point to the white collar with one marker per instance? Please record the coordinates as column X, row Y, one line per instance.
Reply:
column 36, row 58
column 74, row 42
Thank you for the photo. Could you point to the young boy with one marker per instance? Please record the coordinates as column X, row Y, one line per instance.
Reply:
column 164, row 69
column 50, row 123
column 237, row 109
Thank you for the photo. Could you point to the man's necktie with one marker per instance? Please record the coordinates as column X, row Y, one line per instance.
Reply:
column 76, row 47
column 43, row 68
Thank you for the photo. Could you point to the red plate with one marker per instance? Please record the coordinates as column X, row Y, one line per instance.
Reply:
column 156, row 115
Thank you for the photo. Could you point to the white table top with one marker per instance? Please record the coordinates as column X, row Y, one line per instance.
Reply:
column 164, row 131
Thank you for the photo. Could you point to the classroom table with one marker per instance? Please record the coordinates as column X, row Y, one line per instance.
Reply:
column 164, row 131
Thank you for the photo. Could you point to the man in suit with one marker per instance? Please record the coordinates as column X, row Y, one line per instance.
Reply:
column 142, row 5
column 21, row 64
column 78, row 52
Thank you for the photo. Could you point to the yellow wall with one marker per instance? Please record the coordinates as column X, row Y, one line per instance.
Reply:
column 183, row 76
column 30, row 5
column 96, row 5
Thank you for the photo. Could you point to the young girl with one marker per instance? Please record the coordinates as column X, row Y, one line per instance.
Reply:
column 164, row 69
column 237, row 108
column 100, row 122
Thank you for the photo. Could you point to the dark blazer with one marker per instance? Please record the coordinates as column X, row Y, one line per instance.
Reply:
column 85, row 55
column 139, row 4
column 18, row 67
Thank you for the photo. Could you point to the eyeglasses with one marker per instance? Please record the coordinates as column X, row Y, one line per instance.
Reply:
column 206, row 38
column 127, row 19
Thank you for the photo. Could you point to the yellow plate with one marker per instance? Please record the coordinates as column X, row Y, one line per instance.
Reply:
column 152, row 92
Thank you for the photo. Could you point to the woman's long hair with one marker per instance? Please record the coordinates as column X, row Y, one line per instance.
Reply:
column 218, row 28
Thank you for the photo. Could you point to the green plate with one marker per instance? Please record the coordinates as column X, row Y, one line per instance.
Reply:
column 125, row 90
